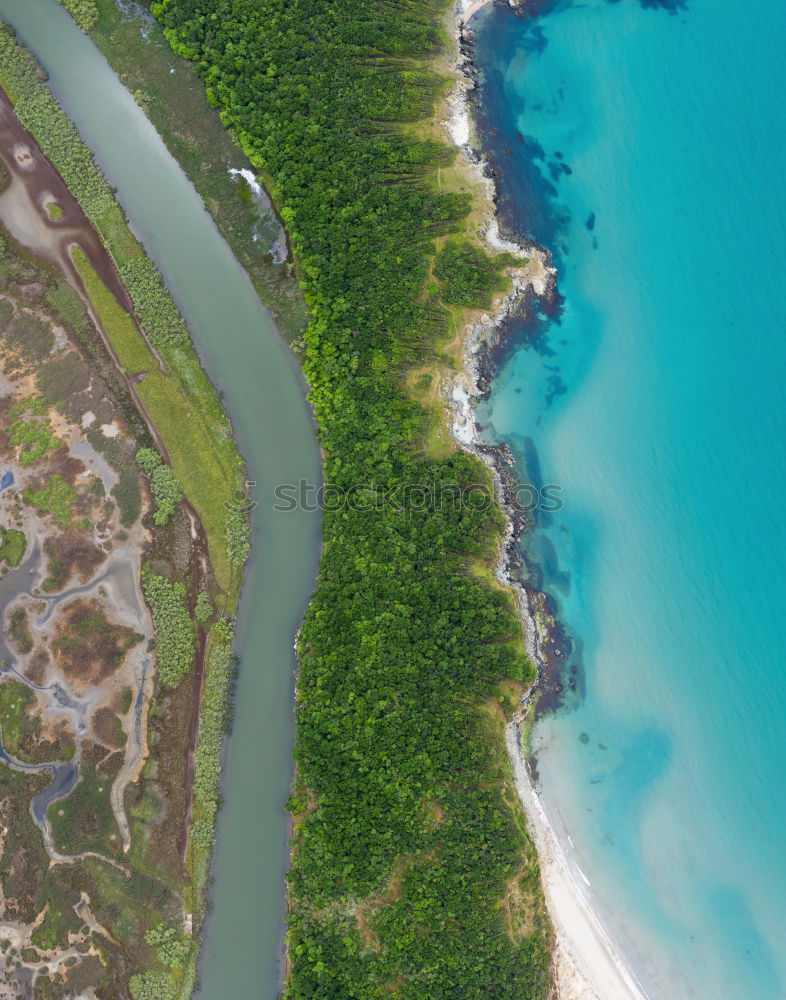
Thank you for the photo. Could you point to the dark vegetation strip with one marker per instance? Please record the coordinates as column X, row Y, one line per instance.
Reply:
column 412, row 874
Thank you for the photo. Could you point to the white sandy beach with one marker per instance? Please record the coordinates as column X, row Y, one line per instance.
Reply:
column 587, row 965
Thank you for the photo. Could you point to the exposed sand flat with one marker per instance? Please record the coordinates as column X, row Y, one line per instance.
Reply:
column 468, row 10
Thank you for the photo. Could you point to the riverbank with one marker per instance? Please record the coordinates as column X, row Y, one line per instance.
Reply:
column 586, row 963
column 400, row 711
column 259, row 384
column 172, row 96
column 201, row 449
column 177, row 409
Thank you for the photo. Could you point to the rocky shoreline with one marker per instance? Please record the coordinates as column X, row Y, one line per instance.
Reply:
column 486, row 344
column 586, row 964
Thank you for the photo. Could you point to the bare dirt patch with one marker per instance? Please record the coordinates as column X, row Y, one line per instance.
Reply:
column 88, row 647
column 37, row 665
column 108, row 728
column 71, row 553
column 18, row 631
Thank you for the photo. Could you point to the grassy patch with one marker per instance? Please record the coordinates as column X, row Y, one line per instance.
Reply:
column 66, row 303
column 31, row 431
column 32, row 336
column 62, row 377
column 56, row 497
column 84, row 821
column 129, row 344
column 15, row 700
column 56, row 572
column 54, row 211
column 203, row 470
column 67, row 553
column 12, row 546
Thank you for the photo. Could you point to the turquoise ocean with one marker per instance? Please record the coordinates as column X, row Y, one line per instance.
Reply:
column 644, row 144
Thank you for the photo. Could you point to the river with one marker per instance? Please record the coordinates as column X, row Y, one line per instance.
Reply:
column 264, row 395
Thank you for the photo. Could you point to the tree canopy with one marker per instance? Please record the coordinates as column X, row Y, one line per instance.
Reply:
column 408, row 836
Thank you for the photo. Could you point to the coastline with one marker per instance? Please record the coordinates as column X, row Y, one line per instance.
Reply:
column 586, row 963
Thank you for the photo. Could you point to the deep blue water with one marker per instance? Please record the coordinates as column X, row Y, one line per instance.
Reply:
column 647, row 149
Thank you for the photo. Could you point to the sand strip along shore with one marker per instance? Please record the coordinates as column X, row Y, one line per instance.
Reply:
column 586, row 964
column 468, row 10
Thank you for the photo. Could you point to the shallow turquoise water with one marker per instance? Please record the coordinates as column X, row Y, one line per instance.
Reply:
column 657, row 403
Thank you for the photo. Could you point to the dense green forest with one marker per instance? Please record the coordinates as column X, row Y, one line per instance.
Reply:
column 412, row 875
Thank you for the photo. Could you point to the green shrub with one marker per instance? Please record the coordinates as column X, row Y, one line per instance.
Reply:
column 167, row 493
column 128, row 496
column 203, row 834
column 219, row 672
column 171, row 947
column 203, row 610
column 238, row 534
column 164, row 485
column 84, row 12
column 154, row 305
column 152, row 986
column 174, row 629
column 148, row 460
column 469, row 276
